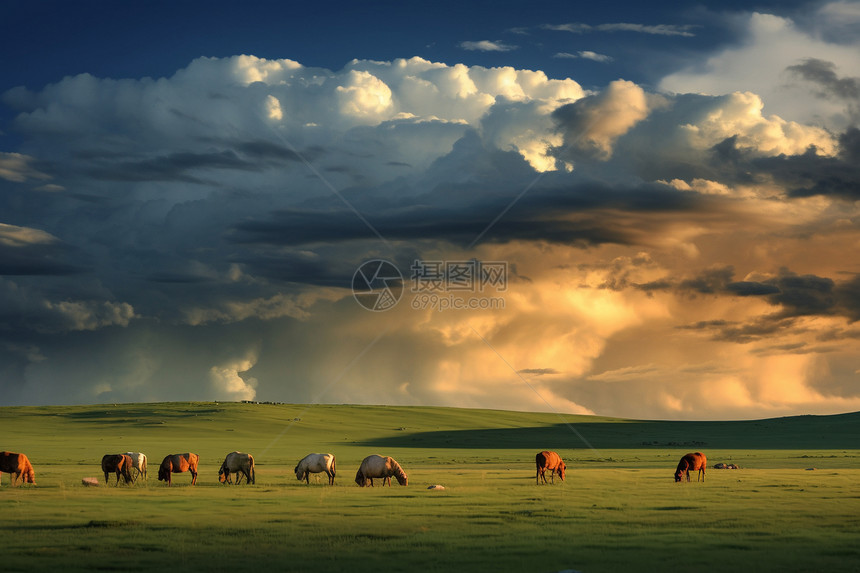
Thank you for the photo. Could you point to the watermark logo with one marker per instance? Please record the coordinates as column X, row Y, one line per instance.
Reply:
column 377, row 285
column 437, row 285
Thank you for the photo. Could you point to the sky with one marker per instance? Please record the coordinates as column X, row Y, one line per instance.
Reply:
column 624, row 210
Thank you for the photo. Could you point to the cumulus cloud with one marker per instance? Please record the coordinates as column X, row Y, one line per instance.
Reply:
column 229, row 384
column 365, row 97
column 739, row 116
column 593, row 124
column 766, row 63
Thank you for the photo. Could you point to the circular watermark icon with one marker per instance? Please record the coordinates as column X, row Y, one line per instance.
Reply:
column 377, row 285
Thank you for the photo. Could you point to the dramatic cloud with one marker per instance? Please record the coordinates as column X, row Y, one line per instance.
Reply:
column 666, row 254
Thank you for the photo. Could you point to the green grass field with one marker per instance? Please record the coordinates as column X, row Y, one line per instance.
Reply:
column 618, row 510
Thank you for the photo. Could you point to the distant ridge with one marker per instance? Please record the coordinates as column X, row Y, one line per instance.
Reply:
column 258, row 425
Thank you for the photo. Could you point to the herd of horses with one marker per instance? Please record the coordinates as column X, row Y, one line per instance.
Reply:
column 132, row 465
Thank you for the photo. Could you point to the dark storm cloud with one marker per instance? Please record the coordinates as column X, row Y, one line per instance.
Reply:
column 538, row 371
column 320, row 268
column 243, row 156
column 176, row 278
column 802, row 175
column 16, row 263
column 823, row 74
column 802, row 295
column 41, row 259
column 582, row 214
column 752, row 331
column 794, row 296
column 172, row 167
column 751, row 288
column 709, row 281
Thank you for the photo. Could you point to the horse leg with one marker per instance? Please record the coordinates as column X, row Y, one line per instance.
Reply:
column 193, row 477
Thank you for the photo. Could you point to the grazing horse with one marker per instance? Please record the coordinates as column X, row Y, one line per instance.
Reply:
column 314, row 464
column 138, row 464
column 374, row 466
column 120, row 464
column 239, row 464
column 18, row 467
column 549, row 461
column 178, row 463
column 693, row 461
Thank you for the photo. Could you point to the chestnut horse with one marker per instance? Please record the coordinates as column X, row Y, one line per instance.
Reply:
column 18, row 466
column 549, row 461
column 120, row 464
column 694, row 461
column 178, row 463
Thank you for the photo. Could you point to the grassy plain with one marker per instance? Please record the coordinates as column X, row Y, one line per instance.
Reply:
column 618, row 510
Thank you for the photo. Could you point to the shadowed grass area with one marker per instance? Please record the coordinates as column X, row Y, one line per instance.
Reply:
column 618, row 510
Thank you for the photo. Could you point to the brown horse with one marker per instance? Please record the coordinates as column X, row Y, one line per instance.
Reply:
column 18, row 466
column 178, row 463
column 120, row 464
column 694, row 461
column 549, row 461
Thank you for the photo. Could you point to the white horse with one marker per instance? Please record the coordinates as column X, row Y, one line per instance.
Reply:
column 375, row 466
column 314, row 464
column 239, row 464
column 138, row 463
